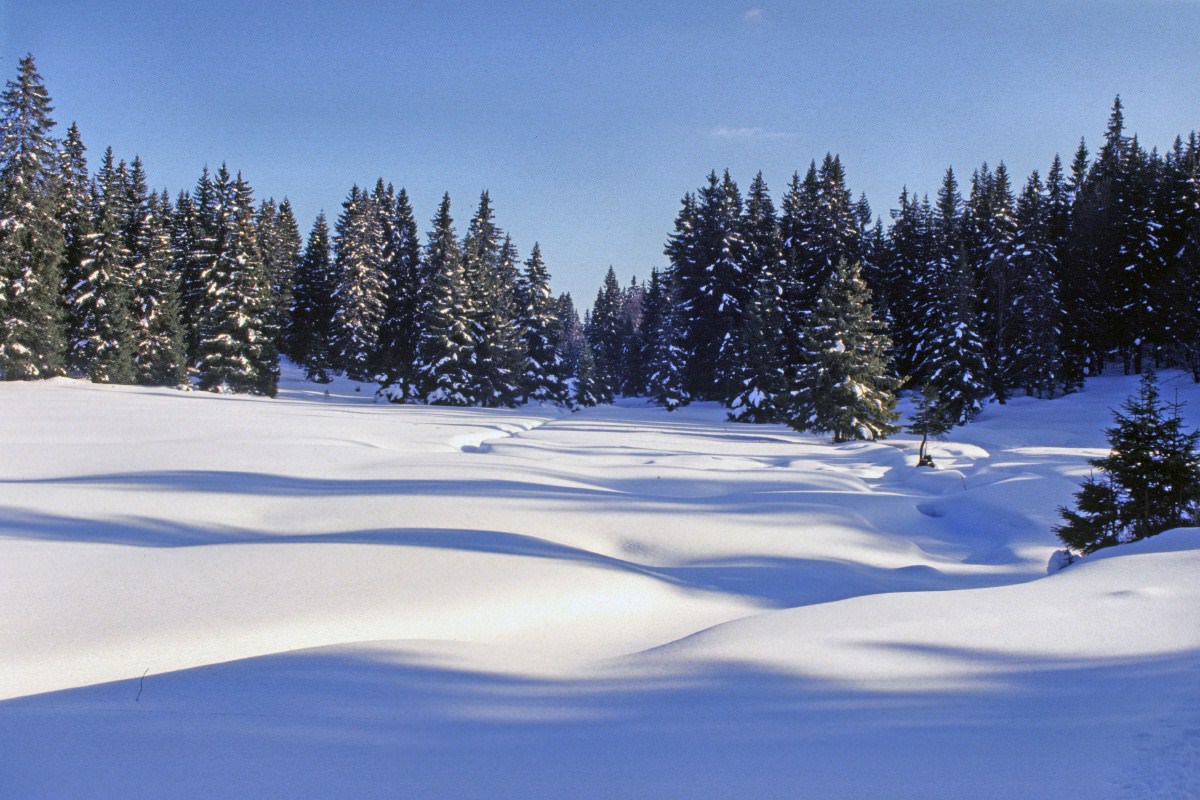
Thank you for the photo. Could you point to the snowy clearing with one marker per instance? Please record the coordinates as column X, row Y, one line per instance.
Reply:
column 315, row 596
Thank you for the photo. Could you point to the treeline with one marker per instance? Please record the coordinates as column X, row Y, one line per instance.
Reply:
column 812, row 314
column 1005, row 290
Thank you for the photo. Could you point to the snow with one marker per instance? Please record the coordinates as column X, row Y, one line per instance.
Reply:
column 227, row 596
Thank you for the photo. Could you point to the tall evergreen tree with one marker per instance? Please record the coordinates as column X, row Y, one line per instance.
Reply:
column 446, row 349
column 360, row 291
column 846, row 387
column 236, row 351
column 31, row 239
column 399, row 331
column 159, row 353
column 545, row 379
column 604, row 335
column 312, row 305
column 75, row 206
column 1037, row 363
column 280, row 243
column 101, row 302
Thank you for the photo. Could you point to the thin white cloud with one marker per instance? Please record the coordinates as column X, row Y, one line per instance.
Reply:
column 724, row 132
column 754, row 15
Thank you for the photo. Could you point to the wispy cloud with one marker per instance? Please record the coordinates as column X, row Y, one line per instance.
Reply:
column 725, row 132
column 754, row 15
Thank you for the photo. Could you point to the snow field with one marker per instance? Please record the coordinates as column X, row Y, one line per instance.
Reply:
column 316, row 595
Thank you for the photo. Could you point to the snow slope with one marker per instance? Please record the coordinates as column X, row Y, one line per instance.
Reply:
column 319, row 596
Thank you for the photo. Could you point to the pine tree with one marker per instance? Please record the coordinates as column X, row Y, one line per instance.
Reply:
column 100, row 302
column 445, row 351
column 280, row 244
column 194, row 230
column 604, row 336
column 75, row 206
column 236, row 351
column 31, row 239
column 1151, row 477
column 545, row 379
column 360, row 289
column 845, row 387
column 1037, row 363
column 399, row 330
column 312, row 305
column 159, row 353
column 954, row 358
column 489, row 275
column 990, row 237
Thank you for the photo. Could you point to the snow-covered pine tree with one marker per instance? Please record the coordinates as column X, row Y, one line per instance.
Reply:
column 489, row 276
column 1180, row 294
column 236, row 352
column 400, row 329
column 629, row 330
column 1059, row 197
column 280, row 243
column 31, row 238
column 668, row 362
column 1140, row 268
column 159, row 353
column 1037, row 364
column 846, row 387
column 603, row 330
column 312, row 305
column 445, row 351
column 1150, row 480
column 75, row 205
column 709, row 282
column 545, row 379
column 360, row 288
column 954, row 360
column 100, row 303
column 990, row 235
column 194, row 229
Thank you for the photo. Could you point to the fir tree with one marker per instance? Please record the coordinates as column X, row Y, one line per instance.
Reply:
column 1150, row 479
column 236, row 352
column 159, row 354
column 312, row 305
column 75, row 206
column 845, row 385
column 1037, row 356
column 603, row 330
column 100, row 302
column 445, row 351
column 31, row 239
column 280, row 244
column 545, row 379
column 399, row 330
column 360, row 290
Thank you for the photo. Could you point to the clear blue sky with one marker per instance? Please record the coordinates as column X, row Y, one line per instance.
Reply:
column 588, row 121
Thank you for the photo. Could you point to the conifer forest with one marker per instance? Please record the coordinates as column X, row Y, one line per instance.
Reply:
column 810, row 310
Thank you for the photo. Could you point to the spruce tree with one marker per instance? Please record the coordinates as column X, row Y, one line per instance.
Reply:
column 444, row 366
column 400, row 329
column 360, row 289
column 312, row 305
column 159, row 353
column 545, row 379
column 236, row 351
column 280, row 244
column 101, row 303
column 75, row 206
column 604, row 336
column 31, row 238
column 1037, row 363
column 845, row 385
column 1150, row 480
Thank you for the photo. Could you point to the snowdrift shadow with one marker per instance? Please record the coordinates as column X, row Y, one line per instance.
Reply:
column 375, row 724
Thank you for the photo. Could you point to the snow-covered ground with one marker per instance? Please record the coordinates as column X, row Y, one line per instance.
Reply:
column 316, row 596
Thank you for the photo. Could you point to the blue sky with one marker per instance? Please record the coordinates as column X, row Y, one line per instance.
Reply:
column 588, row 121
